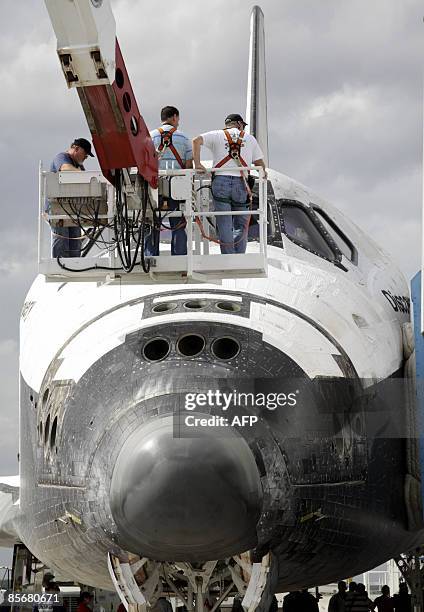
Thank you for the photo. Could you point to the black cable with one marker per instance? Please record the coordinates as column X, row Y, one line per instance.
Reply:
column 136, row 220
column 204, row 187
column 92, row 241
column 96, row 226
column 124, row 228
column 209, row 220
column 144, row 264
column 128, row 227
column 61, row 265
column 120, row 224
column 77, row 221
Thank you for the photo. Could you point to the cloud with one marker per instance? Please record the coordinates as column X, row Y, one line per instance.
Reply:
column 9, row 407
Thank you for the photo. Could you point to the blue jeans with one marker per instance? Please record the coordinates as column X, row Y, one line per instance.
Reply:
column 64, row 243
column 179, row 236
column 230, row 193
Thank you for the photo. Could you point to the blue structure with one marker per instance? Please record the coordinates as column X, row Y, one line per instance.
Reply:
column 419, row 359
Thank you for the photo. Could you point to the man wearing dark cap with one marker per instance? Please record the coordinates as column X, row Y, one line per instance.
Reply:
column 67, row 240
column 232, row 149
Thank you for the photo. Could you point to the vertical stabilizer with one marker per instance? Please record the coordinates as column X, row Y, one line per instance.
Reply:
column 256, row 111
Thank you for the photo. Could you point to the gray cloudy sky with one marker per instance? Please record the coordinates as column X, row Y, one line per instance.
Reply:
column 345, row 112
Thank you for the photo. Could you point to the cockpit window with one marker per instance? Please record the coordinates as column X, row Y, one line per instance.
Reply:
column 343, row 243
column 300, row 228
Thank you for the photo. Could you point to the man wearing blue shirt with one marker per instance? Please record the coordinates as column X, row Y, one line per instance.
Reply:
column 175, row 152
column 67, row 240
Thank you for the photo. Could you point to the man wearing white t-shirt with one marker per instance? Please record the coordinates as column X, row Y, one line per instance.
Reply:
column 232, row 149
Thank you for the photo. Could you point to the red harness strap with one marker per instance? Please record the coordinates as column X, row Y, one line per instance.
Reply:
column 234, row 153
column 234, row 150
column 166, row 143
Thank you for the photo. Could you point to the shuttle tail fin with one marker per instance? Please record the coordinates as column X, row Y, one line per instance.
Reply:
column 256, row 111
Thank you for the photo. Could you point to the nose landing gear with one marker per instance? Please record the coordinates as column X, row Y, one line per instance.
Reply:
column 200, row 587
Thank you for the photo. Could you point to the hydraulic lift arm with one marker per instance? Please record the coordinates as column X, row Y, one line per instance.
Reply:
column 92, row 62
column 118, row 223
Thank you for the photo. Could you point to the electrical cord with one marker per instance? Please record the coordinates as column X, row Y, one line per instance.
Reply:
column 128, row 229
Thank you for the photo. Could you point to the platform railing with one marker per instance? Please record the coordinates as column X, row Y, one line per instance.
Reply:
column 203, row 263
column 73, row 183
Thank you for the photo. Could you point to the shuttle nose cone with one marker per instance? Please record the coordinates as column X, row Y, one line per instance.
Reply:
column 186, row 499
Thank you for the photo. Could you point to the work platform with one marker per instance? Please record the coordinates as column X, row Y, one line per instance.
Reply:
column 114, row 228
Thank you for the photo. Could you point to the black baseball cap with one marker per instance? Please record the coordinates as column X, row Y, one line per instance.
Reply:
column 235, row 117
column 84, row 144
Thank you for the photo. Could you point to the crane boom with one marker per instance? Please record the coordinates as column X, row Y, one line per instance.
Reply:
column 92, row 61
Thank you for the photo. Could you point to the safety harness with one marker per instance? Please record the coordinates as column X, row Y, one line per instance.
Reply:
column 234, row 152
column 166, row 143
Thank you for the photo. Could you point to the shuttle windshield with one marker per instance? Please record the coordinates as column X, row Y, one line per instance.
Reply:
column 336, row 234
column 300, row 228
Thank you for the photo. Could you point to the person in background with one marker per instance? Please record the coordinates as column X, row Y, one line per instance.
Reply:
column 350, row 594
column 55, row 602
column 360, row 602
column 384, row 603
column 402, row 600
column 291, row 602
column 337, row 601
column 86, row 601
column 307, row 602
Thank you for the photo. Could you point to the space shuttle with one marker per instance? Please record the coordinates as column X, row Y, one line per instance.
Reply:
column 141, row 472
